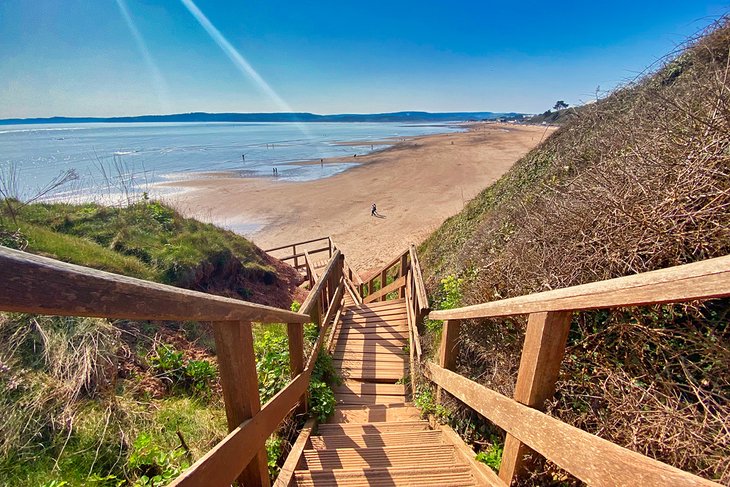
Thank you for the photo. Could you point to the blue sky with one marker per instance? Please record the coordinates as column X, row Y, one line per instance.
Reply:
column 131, row 57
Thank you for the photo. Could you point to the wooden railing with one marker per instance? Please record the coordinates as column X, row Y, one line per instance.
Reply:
column 34, row 284
column 290, row 252
column 586, row 456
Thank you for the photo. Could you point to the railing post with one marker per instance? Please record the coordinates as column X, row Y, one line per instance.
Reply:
column 403, row 272
column 295, row 331
column 237, row 369
column 542, row 354
column 296, row 259
column 449, row 350
column 383, row 282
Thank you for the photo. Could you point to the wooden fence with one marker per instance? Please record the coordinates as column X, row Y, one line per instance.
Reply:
column 586, row 456
column 290, row 252
column 34, row 284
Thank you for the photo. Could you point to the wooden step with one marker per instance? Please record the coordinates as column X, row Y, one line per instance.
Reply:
column 382, row 335
column 420, row 438
column 370, row 357
column 368, row 346
column 369, row 365
column 377, row 413
column 352, row 387
column 388, row 376
column 327, row 429
column 368, row 399
column 456, row 476
column 379, row 304
column 389, row 456
column 397, row 314
column 439, row 476
column 375, row 327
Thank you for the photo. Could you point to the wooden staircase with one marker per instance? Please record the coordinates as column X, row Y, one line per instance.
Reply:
column 376, row 437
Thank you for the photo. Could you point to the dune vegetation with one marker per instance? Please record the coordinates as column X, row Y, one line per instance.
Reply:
column 639, row 180
column 99, row 402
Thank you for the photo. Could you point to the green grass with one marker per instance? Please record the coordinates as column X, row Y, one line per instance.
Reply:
column 146, row 240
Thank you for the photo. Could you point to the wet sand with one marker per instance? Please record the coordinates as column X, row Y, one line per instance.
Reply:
column 416, row 184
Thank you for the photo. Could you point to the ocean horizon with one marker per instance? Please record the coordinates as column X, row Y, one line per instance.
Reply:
column 116, row 160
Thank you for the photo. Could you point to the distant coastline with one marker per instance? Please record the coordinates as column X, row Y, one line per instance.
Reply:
column 404, row 117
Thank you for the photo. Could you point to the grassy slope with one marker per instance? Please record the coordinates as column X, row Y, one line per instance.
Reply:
column 635, row 182
column 76, row 394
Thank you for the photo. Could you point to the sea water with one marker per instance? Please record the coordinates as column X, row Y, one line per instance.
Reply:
column 121, row 158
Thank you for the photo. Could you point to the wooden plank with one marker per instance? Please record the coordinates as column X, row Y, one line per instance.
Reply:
column 297, row 243
column 237, row 369
column 449, row 350
column 295, row 332
column 421, row 296
column 393, row 286
column 310, row 267
column 364, row 364
column 412, row 324
column 387, row 266
column 700, row 280
column 542, row 354
column 402, row 272
column 367, row 399
column 483, row 474
column 592, row 459
column 34, row 284
column 367, row 347
column 371, row 357
column 221, row 465
column 373, row 389
column 286, row 474
column 313, row 296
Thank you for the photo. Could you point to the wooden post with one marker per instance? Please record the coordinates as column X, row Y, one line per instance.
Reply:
column 296, row 259
column 296, row 356
column 237, row 368
column 403, row 272
column 542, row 355
column 383, row 282
column 449, row 350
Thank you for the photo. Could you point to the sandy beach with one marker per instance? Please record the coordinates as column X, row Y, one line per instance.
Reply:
column 416, row 184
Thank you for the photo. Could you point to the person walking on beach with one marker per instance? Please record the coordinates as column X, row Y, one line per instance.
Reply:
column 373, row 210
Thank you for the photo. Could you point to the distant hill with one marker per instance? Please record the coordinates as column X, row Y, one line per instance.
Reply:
column 409, row 117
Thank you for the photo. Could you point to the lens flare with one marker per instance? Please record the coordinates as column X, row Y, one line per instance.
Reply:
column 238, row 60
column 158, row 81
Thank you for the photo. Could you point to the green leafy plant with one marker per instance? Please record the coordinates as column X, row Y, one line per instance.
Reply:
column 274, row 449
column 322, row 400
column 272, row 362
column 200, row 374
column 491, row 457
column 195, row 376
column 153, row 466
column 169, row 363
column 426, row 402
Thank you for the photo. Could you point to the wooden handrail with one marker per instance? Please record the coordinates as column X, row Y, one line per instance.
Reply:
column 301, row 254
column 223, row 464
column 34, row 284
column 314, row 294
column 592, row 459
column 420, row 294
column 393, row 286
column 296, row 243
column 699, row 280
column 588, row 458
